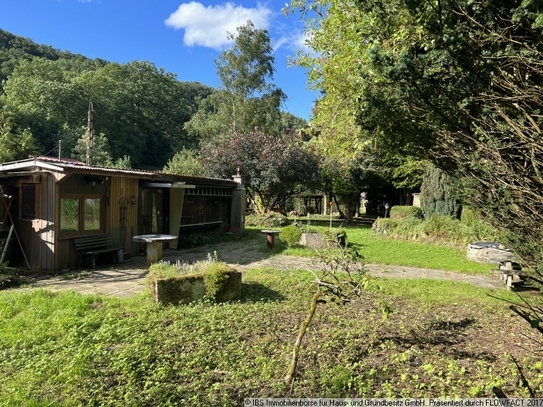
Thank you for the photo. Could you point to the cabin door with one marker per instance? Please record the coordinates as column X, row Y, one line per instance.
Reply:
column 155, row 211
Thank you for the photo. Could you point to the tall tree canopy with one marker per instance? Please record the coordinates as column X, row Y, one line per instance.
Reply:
column 247, row 99
column 457, row 81
column 274, row 167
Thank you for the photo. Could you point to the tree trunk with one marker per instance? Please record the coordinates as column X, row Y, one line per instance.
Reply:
column 349, row 211
column 301, row 332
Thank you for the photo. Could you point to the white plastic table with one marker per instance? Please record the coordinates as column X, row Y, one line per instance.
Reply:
column 154, row 245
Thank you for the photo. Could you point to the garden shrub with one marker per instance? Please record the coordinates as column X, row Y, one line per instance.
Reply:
column 442, row 226
column 438, row 228
column 384, row 226
column 269, row 220
column 405, row 212
column 438, row 194
column 407, row 228
column 479, row 228
column 468, row 216
column 290, row 235
column 336, row 236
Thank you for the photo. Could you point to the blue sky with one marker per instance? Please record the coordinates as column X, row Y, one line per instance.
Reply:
column 184, row 38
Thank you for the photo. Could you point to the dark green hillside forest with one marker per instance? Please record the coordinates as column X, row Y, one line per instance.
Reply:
column 14, row 49
column 139, row 109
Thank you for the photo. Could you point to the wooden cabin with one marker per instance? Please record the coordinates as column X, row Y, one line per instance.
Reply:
column 54, row 201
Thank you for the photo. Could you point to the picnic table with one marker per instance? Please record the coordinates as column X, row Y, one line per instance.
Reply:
column 154, row 245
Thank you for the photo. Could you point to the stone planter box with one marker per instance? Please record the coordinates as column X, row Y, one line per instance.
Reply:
column 315, row 240
column 489, row 252
column 188, row 288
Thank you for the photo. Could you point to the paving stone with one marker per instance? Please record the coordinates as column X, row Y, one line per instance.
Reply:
column 128, row 278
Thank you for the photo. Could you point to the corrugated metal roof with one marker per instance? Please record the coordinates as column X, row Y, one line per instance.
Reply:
column 67, row 165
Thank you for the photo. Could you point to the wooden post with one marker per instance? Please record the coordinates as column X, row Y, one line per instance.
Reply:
column 270, row 240
column 4, row 251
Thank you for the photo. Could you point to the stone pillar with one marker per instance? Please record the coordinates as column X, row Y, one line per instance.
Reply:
column 237, row 216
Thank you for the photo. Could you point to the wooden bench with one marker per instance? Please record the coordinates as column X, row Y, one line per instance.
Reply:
column 90, row 246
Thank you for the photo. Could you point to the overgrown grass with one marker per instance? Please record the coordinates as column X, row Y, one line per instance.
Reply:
column 71, row 350
column 439, row 229
column 406, row 338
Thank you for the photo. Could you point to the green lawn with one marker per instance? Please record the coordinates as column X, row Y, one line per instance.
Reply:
column 70, row 350
column 382, row 250
column 402, row 338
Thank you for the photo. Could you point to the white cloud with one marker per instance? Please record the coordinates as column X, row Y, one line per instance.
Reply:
column 301, row 42
column 293, row 42
column 208, row 26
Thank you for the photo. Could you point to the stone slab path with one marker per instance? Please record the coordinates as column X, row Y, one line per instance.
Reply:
column 128, row 278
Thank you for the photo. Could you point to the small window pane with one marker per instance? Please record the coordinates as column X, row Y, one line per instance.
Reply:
column 92, row 214
column 69, row 214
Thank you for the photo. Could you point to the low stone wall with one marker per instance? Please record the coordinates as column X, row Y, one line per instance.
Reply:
column 189, row 288
column 489, row 252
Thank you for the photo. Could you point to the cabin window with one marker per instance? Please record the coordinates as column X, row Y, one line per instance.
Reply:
column 69, row 214
column 81, row 214
column 92, row 214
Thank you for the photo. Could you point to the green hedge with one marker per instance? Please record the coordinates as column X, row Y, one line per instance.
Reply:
column 405, row 212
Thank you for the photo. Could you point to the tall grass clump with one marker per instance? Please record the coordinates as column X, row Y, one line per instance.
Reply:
column 405, row 212
column 268, row 220
column 406, row 223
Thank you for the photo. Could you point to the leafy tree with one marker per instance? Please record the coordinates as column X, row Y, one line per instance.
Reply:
column 291, row 123
column 274, row 167
column 15, row 144
column 247, row 100
column 44, row 99
column 144, row 107
column 100, row 155
column 344, row 181
column 334, row 69
column 185, row 162
column 125, row 162
column 456, row 82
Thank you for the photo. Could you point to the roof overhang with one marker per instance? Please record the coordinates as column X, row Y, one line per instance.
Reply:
column 65, row 167
column 168, row 185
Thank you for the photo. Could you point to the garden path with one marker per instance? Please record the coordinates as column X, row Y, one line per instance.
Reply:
column 128, row 278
